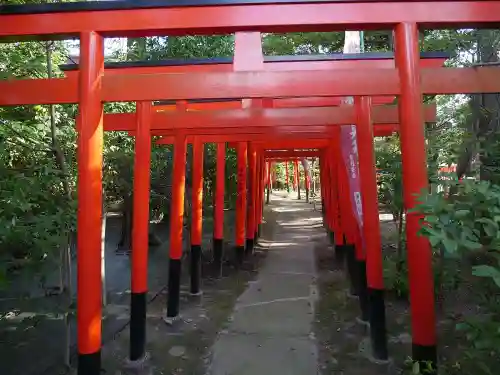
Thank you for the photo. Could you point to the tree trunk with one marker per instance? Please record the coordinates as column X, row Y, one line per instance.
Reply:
column 65, row 277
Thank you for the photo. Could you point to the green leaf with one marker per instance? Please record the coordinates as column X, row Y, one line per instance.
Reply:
column 450, row 245
column 461, row 214
column 471, row 245
column 486, row 271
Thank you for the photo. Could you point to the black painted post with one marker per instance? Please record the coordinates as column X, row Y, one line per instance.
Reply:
column 173, row 289
column 218, row 248
column 195, row 270
column 363, row 290
column 351, row 269
column 378, row 330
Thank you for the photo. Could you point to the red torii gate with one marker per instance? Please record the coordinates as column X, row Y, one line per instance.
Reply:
column 92, row 21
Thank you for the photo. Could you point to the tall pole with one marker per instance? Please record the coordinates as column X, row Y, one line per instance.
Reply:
column 269, row 183
column 415, row 181
column 218, row 240
column 371, row 227
column 90, row 143
column 287, row 178
column 241, row 201
column 251, row 199
column 176, row 228
column 140, row 232
column 196, row 216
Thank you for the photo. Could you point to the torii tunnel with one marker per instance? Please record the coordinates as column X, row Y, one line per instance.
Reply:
column 262, row 106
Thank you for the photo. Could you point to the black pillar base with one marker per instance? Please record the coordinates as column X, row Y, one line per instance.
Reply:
column 351, row 269
column 378, row 331
column 89, row 364
column 256, row 236
column 259, row 230
column 267, row 197
column 174, row 288
column 307, row 195
column 218, row 249
column 137, row 325
column 331, row 236
column 239, row 254
column 195, row 269
column 426, row 356
column 363, row 290
column 249, row 246
column 340, row 254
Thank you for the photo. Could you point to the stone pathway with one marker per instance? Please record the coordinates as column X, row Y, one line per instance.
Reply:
column 271, row 329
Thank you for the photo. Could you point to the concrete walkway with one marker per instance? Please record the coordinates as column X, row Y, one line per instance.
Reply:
column 271, row 329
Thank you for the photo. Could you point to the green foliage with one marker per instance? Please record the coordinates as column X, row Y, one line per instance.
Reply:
column 388, row 159
column 467, row 220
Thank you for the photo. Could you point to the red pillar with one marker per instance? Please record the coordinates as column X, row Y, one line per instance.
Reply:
column 140, row 232
column 297, row 178
column 176, row 228
column 287, row 183
column 241, row 202
column 251, row 198
column 306, row 184
column 322, row 184
column 294, row 175
column 90, row 141
column 371, row 227
column 218, row 240
column 415, row 181
column 258, row 195
column 262, row 191
column 196, row 216
column 328, row 178
column 268, row 180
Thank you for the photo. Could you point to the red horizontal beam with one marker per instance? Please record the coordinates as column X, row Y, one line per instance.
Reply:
column 283, row 160
column 265, row 18
column 277, row 103
column 243, row 119
column 302, row 138
column 280, row 144
column 309, row 140
column 272, row 66
column 186, row 86
column 291, row 153
column 276, row 131
column 380, row 130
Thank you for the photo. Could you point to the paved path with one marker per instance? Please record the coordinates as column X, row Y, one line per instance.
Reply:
column 271, row 329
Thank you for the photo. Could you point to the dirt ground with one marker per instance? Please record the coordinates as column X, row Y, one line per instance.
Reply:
column 343, row 343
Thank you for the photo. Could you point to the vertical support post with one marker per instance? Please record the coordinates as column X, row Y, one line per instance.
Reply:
column 218, row 240
column 196, row 216
column 294, row 176
column 258, row 196
column 90, row 143
column 251, row 199
column 322, row 177
column 241, row 202
column 306, row 184
column 415, row 180
column 262, row 191
column 297, row 171
column 329, row 200
column 287, row 181
column 347, row 223
column 338, row 237
column 176, row 228
column 371, row 228
column 269, row 182
column 140, row 232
